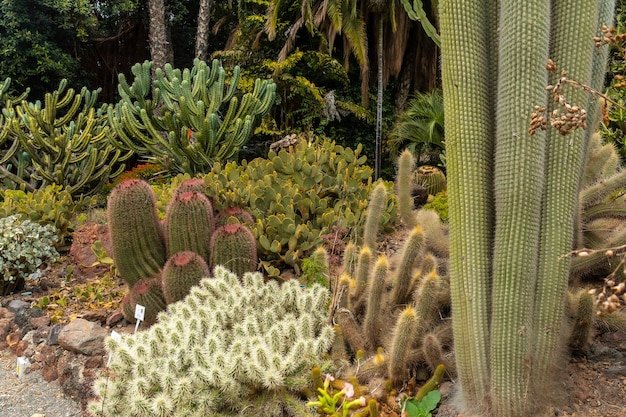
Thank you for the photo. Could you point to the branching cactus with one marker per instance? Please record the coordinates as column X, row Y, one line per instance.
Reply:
column 200, row 119
column 62, row 141
column 231, row 348
column 181, row 272
column 136, row 237
column 233, row 246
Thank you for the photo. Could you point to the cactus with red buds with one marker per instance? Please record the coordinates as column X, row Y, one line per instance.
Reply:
column 239, row 214
column 181, row 272
column 233, row 246
column 148, row 293
column 136, row 238
column 189, row 224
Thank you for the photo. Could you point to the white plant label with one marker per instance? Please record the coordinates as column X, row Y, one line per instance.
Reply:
column 140, row 312
column 22, row 363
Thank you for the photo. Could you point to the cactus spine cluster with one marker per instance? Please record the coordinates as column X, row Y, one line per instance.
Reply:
column 513, row 190
column 233, row 347
column 176, row 255
column 431, row 178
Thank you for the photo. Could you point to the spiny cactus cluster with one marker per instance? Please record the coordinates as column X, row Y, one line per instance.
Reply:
column 391, row 314
column 232, row 347
column 162, row 261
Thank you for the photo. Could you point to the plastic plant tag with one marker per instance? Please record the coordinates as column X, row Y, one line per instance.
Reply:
column 140, row 312
column 22, row 364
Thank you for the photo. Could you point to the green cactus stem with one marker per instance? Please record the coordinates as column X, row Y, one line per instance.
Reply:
column 233, row 246
column 404, row 337
column 181, row 272
column 200, row 119
column 136, row 238
column 582, row 310
column 189, row 224
column 404, row 180
column 375, row 208
column 372, row 321
column 404, row 274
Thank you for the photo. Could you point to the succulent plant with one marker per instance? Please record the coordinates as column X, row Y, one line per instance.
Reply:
column 232, row 347
column 136, row 236
column 147, row 292
column 181, row 272
column 233, row 246
column 432, row 178
column 189, row 224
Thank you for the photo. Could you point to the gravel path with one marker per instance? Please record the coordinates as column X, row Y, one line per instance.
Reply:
column 31, row 395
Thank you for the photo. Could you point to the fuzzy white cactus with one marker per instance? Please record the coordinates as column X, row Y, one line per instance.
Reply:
column 218, row 351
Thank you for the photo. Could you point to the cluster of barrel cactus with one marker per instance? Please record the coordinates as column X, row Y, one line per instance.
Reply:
column 162, row 261
column 233, row 347
column 187, row 119
column 61, row 141
column 392, row 315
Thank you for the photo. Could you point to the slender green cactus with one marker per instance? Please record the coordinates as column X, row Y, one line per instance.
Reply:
column 233, row 246
column 513, row 188
column 402, row 340
column 189, row 224
column 375, row 208
column 406, row 162
column 201, row 120
column 372, row 321
column 62, row 141
column 404, row 274
column 181, row 272
column 136, row 237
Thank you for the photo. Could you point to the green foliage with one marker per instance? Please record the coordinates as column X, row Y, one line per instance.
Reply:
column 189, row 119
column 52, row 205
column 230, row 348
column 62, row 141
column 420, row 128
column 416, row 12
column 414, row 408
column 39, row 40
column 439, row 204
column 24, row 246
column 298, row 196
column 315, row 268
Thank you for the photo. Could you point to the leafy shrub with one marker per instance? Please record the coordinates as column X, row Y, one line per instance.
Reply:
column 440, row 205
column 52, row 205
column 24, row 246
column 232, row 347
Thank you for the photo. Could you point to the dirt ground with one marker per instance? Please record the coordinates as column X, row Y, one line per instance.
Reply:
column 595, row 383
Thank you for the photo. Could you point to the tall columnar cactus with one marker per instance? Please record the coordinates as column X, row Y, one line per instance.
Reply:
column 189, row 224
column 194, row 119
column 136, row 237
column 512, row 191
column 62, row 141
column 181, row 272
column 233, row 246
column 375, row 208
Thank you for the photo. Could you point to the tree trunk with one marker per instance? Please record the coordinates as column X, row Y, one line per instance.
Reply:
column 159, row 46
column 202, row 34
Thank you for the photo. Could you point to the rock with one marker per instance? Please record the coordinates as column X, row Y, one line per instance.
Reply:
column 49, row 357
column 53, row 335
column 16, row 306
column 6, row 325
column 75, row 379
column 114, row 318
column 38, row 322
column 20, row 347
column 82, row 336
column 24, row 316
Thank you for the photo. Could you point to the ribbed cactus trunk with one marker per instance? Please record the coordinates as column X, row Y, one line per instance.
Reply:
column 512, row 194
